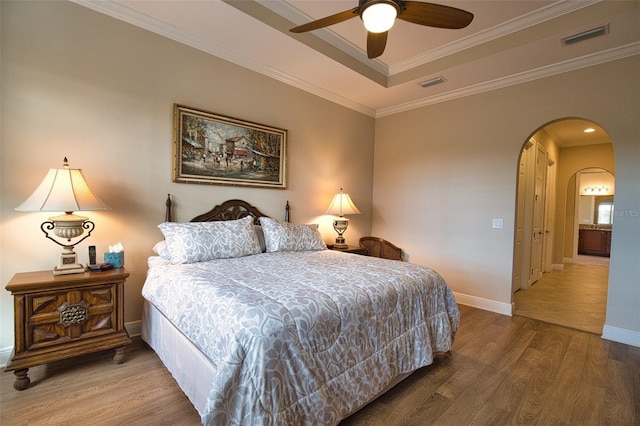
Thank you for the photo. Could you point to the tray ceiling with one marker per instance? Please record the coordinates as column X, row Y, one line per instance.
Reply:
column 508, row 42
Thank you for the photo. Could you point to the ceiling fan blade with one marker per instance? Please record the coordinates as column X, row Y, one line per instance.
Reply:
column 435, row 15
column 376, row 42
column 326, row 21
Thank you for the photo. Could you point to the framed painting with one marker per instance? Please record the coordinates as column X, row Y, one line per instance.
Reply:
column 214, row 149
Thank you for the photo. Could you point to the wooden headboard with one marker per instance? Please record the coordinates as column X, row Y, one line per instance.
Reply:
column 229, row 210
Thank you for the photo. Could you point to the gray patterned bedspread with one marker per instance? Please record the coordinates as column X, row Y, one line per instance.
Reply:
column 304, row 337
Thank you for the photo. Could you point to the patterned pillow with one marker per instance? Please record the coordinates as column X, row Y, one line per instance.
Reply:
column 283, row 236
column 201, row 241
column 260, row 235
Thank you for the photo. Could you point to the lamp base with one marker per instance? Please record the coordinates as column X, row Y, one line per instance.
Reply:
column 68, row 263
column 340, row 243
column 340, row 225
column 69, row 269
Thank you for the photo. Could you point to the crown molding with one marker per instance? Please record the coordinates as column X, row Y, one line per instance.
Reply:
column 621, row 52
column 504, row 29
column 133, row 17
column 123, row 13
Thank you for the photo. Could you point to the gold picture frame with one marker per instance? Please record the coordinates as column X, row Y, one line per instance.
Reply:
column 209, row 148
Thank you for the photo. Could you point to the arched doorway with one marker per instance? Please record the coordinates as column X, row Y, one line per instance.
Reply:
column 546, row 225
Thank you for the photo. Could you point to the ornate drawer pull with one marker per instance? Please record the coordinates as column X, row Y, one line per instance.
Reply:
column 74, row 314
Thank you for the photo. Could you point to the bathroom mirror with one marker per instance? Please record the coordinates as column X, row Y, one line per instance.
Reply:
column 596, row 188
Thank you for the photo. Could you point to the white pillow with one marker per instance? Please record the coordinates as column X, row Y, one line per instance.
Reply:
column 283, row 236
column 260, row 234
column 161, row 249
column 201, row 241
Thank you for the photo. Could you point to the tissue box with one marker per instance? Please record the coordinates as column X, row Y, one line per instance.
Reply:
column 115, row 259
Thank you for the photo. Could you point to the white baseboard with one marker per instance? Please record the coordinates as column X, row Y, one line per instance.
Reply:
column 621, row 335
column 133, row 328
column 5, row 353
column 484, row 304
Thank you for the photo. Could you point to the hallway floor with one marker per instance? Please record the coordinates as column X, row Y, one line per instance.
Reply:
column 575, row 297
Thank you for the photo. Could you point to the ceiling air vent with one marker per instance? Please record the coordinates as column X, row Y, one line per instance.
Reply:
column 585, row 35
column 433, row 81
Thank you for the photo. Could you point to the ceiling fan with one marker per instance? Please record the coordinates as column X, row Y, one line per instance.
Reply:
column 379, row 15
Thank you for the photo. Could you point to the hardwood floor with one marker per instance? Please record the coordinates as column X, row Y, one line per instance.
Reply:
column 575, row 297
column 502, row 371
column 92, row 390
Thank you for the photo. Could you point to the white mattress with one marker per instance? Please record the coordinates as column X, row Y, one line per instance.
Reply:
column 190, row 368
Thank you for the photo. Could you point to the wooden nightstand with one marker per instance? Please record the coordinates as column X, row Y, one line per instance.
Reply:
column 350, row 249
column 62, row 316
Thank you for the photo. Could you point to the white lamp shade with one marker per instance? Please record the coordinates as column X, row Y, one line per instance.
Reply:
column 63, row 190
column 342, row 205
column 379, row 17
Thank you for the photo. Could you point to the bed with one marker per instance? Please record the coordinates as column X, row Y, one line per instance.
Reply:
column 279, row 329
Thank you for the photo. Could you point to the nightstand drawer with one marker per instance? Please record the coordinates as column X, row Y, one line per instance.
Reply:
column 59, row 316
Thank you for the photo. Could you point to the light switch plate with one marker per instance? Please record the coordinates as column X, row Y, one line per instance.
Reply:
column 498, row 223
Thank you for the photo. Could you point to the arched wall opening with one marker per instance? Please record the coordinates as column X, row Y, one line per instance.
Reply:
column 546, row 224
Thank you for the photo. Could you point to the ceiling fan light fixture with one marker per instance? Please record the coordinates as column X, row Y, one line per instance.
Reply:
column 379, row 17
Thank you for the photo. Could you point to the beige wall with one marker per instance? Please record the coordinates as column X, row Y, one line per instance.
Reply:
column 442, row 173
column 76, row 83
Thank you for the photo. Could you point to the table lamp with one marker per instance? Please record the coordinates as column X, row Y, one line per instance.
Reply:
column 65, row 190
column 341, row 205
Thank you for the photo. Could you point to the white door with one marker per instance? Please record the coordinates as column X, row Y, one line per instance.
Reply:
column 537, row 239
column 519, row 241
column 549, row 208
